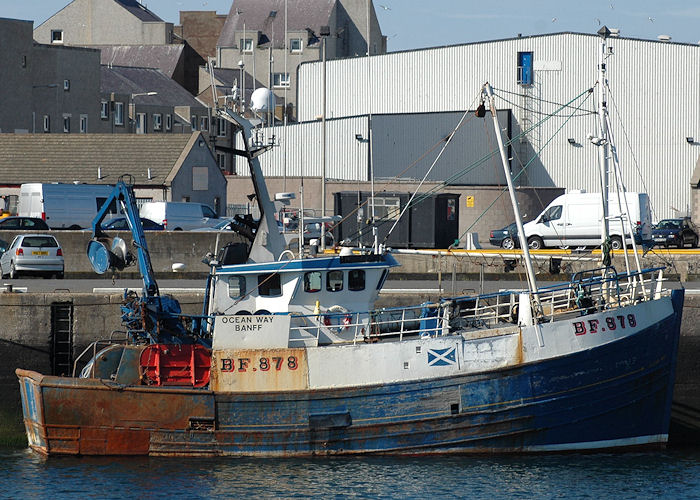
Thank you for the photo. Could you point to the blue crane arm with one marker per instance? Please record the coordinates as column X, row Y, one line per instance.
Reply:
column 110, row 253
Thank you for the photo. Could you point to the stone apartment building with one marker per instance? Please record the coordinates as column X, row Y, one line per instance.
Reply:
column 104, row 22
column 46, row 88
column 254, row 37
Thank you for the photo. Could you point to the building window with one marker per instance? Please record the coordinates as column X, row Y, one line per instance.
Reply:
column 204, row 123
column 141, row 123
column 157, row 122
column 387, row 208
column 525, row 73
column 66, row 124
column 222, row 127
column 312, row 282
column 246, row 45
column 24, row 61
column 168, row 122
column 119, row 113
column 221, row 161
column 66, row 85
column 280, row 80
column 104, row 110
column 200, row 179
column 56, row 36
column 295, row 45
column 83, row 124
column 193, row 122
column 269, row 285
column 47, row 123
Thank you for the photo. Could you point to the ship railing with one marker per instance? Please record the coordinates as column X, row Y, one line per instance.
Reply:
column 90, row 352
column 584, row 294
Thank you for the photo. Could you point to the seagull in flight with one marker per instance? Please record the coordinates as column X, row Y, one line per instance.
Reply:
column 651, row 19
column 385, row 7
column 554, row 19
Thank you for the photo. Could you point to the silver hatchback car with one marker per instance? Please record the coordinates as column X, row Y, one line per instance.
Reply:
column 32, row 253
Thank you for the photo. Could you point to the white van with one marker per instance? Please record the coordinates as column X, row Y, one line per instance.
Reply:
column 179, row 215
column 574, row 219
column 64, row 206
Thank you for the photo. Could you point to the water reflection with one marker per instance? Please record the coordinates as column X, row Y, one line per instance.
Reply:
column 673, row 474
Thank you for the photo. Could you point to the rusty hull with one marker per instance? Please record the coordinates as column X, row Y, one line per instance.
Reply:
column 78, row 416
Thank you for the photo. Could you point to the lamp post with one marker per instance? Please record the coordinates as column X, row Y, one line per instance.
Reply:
column 325, row 33
column 132, row 108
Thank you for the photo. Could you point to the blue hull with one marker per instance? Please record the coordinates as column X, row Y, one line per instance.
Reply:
column 614, row 396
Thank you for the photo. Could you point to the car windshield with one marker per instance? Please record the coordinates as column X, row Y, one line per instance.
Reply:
column 669, row 224
column 39, row 241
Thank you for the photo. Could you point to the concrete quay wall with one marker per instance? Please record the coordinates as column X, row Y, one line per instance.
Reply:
column 187, row 247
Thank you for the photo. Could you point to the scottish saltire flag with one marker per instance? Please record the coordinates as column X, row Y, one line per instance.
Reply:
column 442, row 357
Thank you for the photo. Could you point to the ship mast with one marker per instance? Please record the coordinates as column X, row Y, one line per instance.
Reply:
column 603, row 145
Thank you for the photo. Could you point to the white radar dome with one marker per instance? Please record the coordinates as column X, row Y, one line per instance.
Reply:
column 263, row 100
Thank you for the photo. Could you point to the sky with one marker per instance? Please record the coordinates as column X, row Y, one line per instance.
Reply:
column 413, row 24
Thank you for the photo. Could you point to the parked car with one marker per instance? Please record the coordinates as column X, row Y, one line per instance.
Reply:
column 32, row 253
column 120, row 224
column 178, row 215
column 506, row 237
column 676, row 232
column 27, row 223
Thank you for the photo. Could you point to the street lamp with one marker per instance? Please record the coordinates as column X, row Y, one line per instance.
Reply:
column 325, row 33
column 132, row 108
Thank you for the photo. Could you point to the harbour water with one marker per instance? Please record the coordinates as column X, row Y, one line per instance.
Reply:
column 672, row 473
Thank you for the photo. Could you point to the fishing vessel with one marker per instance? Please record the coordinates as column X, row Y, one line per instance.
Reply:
column 291, row 358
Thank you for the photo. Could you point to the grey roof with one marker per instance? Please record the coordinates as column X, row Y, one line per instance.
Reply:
column 128, row 80
column 76, row 157
column 255, row 14
column 139, row 11
column 163, row 57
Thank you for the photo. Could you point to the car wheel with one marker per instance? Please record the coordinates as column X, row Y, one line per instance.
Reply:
column 59, row 276
column 13, row 272
column 681, row 242
column 616, row 243
column 2, row 273
column 535, row 243
column 508, row 243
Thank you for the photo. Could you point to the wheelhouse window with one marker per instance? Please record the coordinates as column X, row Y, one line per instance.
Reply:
column 334, row 281
column 236, row 286
column 269, row 285
column 356, row 280
column 312, row 282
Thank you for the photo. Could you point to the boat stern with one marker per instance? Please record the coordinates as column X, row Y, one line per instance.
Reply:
column 32, row 409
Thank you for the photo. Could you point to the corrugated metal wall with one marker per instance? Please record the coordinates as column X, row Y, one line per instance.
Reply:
column 403, row 146
column 655, row 97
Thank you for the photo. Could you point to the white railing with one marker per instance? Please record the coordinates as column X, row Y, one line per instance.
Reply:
column 585, row 294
